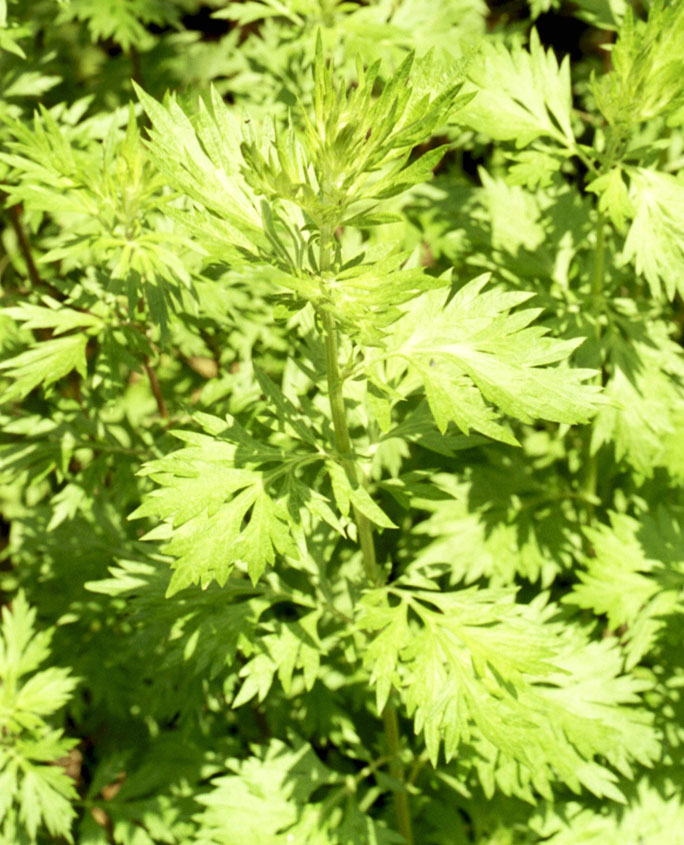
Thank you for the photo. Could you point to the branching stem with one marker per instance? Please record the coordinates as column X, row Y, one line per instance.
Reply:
column 401, row 804
column 14, row 213
column 156, row 389
column 599, row 269
column 343, row 443
column 23, row 241
column 136, row 69
column 365, row 530
column 597, row 278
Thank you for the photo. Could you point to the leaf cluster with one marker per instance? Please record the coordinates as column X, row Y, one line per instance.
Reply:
column 341, row 404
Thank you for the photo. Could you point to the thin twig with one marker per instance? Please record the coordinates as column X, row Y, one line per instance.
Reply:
column 14, row 212
column 156, row 389
column 136, row 69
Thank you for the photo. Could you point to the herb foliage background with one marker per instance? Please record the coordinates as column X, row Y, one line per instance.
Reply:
column 341, row 465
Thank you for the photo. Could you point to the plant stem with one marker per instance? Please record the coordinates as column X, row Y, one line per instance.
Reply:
column 401, row 804
column 343, row 443
column 339, row 419
column 599, row 268
column 15, row 219
column 365, row 531
column 591, row 472
column 156, row 389
column 14, row 213
column 136, row 70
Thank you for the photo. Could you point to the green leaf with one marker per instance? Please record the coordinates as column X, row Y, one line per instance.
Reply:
column 366, row 220
column 644, row 368
column 475, row 340
column 365, row 298
column 505, row 519
column 126, row 22
column 289, row 647
column 647, row 64
column 56, row 316
column 265, row 798
column 217, row 517
column 204, row 162
column 603, row 14
column 613, row 197
column 515, row 214
column 46, row 796
column 33, row 791
column 474, row 663
column 634, row 577
column 45, row 363
column 401, row 179
column 22, row 650
column 9, row 35
column 651, row 816
column 532, row 168
column 521, row 95
column 345, row 492
column 220, row 509
column 655, row 240
column 251, row 11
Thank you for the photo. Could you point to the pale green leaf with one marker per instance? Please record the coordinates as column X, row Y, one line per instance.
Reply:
column 345, row 491
column 218, row 508
column 503, row 520
column 22, row 649
column 55, row 316
column 204, row 162
column 33, row 791
column 613, row 197
column 45, row 796
column 644, row 369
column 474, row 665
column 634, row 576
column 655, row 240
column 268, row 798
column 654, row 816
column 45, row 363
column 45, row 692
column 647, row 65
column 521, row 95
column 476, row 340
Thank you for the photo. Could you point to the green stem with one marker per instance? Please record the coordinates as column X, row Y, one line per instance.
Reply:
column 599, row 269
column 401, row 804
column 591, row 471
column 585, row 159
column 339, row 417
column 363, row 525
column 99, row 446
column 343, row 442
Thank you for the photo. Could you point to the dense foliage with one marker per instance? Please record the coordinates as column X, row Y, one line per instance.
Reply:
column 342, row 405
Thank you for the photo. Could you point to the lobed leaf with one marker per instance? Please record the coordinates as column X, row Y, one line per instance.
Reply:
column 45, row 363
column 220, row 507
column 655, row 239
column 474, row 347
column 473, row 663
column 522, row 95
